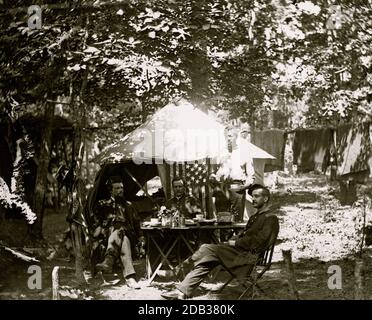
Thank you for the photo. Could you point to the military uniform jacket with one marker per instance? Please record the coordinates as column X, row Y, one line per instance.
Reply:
column 249, row 244
column 188, row 206
column 111, row 212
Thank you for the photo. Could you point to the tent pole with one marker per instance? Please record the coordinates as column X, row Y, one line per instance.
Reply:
column 142, row 188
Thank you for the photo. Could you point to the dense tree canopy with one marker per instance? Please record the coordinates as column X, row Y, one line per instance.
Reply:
column 123, row 59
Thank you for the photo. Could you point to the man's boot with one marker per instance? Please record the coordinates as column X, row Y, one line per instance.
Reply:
column 107, row 264
column 132, row 283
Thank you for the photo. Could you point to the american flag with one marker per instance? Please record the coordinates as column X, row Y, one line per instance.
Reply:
column 196, row 176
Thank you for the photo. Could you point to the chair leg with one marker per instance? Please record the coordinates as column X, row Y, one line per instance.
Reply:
column 245, row 291
column 225, row 284
column 253, row 286
column 104, row 282
column 261, row 290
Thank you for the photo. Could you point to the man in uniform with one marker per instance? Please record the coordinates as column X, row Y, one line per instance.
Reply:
column 240, row 251
column 187, row 205
column 118, row 226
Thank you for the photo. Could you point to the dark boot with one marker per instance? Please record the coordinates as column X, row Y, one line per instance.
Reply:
column 107, row 264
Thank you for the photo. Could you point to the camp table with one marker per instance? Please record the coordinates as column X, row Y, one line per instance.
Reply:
column 173, row 237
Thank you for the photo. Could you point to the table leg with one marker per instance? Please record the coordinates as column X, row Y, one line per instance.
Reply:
column 158, row 258
column 186, row 242
column 148, row 263
column 165, row 259
column 214, row 237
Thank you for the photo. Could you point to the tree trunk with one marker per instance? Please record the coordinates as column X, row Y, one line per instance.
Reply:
column 77, row 236
column 77, row 195
column 291, row 278
column 35, row 231
column 76, row 209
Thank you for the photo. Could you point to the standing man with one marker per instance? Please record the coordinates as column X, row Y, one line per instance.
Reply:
column 241, row 251
column 187, row 205
column 118, row 222
column 237, row 171
column 253, row 176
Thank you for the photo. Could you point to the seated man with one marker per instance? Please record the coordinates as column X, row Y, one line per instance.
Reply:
column 119, row 225
column 241, row 251
column 187, row 205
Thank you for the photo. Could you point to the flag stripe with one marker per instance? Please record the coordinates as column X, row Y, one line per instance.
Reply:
column 196, row 176
column 181, row 170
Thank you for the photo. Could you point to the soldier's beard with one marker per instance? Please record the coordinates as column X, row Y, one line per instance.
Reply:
column 179, row 194
column 119, row 198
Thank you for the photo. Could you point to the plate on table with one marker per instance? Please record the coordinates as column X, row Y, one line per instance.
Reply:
column 190, row 222
column 222, row 223
column 158, row 224
column 206, row 222
column 151, row 224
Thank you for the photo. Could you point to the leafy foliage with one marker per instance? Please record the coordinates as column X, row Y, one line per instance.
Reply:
column 245, row 57
column 11, row 200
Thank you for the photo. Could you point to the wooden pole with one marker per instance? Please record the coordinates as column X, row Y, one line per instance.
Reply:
column 55, row 283
column 291, row 278
column 364, row 226
column 358, row 285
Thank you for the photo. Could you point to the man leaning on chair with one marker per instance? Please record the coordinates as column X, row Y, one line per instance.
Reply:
column 239, row 251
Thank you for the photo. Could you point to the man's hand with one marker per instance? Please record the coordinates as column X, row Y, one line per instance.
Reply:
column 97, row 232
column 230, row 243
column 141, row 247
column 249, row 181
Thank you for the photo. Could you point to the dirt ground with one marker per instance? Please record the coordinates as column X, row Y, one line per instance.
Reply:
column 311, row 272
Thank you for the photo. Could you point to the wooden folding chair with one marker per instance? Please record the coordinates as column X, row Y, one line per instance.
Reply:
column 263, row 263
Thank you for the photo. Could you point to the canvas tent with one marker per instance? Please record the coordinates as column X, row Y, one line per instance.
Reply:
column 176, row 134
column 178, row 139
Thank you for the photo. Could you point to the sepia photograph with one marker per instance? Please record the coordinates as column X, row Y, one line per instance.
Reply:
column 205, row 151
